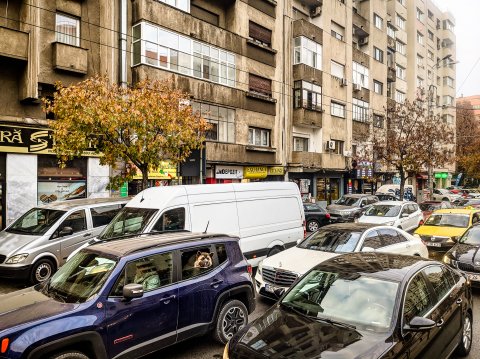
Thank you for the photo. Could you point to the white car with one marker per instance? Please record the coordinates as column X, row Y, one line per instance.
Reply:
column 404, row 215
column 442, row 194
column 279, row 271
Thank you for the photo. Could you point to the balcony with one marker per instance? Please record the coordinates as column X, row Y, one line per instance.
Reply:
column 302, row 27
column 236, row 153
column 266, row 6
column 391, row 74
column 307, row 118
column 13, row 44
column 307, row 159
column 360, row 25
column 332, row 161
column 360, row 130
column 70, row 58
column 307, row 73
column 391, row 43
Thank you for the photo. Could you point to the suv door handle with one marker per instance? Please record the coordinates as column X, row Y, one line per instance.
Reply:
column 216, row 283
column 459, row 301
column 440, row 323
column 87, row 234
column 167, row 300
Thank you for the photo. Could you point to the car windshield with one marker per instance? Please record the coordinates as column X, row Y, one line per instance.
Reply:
column 428, row 206
column 80, row 278
column 347, row 298
column 36, row 221
column 383, row 210
column 472, row 236
column 309, row 207
column 347, row 201
column 129, row 220
column 338, row 241
column 448, row 220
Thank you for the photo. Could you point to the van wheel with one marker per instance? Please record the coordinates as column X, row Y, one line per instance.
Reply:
column 42, row 270
column 70, row 355
column 313, row 225
column 466, row 340
column 274, row 251
column 232, row 317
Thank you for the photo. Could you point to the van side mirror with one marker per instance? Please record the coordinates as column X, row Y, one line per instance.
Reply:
column 420, row 324
column 132, row 290
column 65, row 231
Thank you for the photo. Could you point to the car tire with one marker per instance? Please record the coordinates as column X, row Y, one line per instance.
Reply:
column 70, row 355
column 465, row 344
column 445, row 199
column 232, row 317
column 274, row 251
column 42, row 270
column 313, row 225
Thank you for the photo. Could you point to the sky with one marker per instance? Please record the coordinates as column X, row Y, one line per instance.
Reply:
column 466, row 13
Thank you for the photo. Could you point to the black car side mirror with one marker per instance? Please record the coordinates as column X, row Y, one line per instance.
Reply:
column 420, row 324
column 66, row 231
column 279, row 292
column 132, row 290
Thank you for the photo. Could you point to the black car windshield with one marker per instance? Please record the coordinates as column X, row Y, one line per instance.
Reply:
column 472, row 236
column 130, row 220
column 347, row 201
column 80, row 278
column 310, row 207
column 36, row 221
column 351, row 299
column 383, row 210
column 328, row 240
column 448, row 220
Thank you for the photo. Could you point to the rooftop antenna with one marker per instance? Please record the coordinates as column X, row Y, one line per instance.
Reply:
column 206, row 227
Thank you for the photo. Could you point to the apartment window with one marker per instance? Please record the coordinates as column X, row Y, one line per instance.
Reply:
column 153, row 45
column 430, row 15
column 378, row 21
column 400, row 96
column 448, row 81
column 337, row 31
column 360, row 75
column 258, row 137
column 67, row 29
column 337, row 109
column 419, row 38
column 337, row 70
column 429, row 74
column 360, row 110
column 430, row 55
column 448, row 119
column 420, row 61
column 300, row 144
column 401, row 22
column 402, row 2
column 378, row 54
column 420, row 82
column 180, row 4
column 400, row 47
column 378, row 87
column 447, row 25
column 307, row 95
column 430, row 35
column 378, row 121
column 260, row 34
column 401, row 73
column 222, row 120
column 307, row 52
column 260, row 85
column 419, row 15
column 338, row 147
column 438, row 80
column 448, row 100
column 391, row 31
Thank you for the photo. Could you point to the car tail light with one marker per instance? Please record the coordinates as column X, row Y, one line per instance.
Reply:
column 249, row 270
column 327, row 215
column 304, row 229
column 4, row 345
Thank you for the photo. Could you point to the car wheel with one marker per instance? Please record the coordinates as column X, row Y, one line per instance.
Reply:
column 313, row 225
column 42, row 270
column 232, row 317
column 445, row 199
column 274, row 251
column 70, row 355
column 466, row 340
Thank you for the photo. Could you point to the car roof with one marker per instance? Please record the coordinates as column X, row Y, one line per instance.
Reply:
column 84, row 202
column 121, row 247
column 358, row 195
column 395, row 203
column 432, row 202
column 457, row 211
column 350, row 226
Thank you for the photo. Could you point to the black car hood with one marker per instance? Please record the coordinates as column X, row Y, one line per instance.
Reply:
column 280, row 333
column 466, row 253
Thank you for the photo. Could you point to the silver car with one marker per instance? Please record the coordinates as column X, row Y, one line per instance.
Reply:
column 39, row 242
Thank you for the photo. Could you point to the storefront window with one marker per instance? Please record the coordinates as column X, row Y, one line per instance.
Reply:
column 328, row 189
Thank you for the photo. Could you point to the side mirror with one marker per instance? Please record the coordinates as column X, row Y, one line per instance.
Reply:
column 419, row 324
column 279, row 292
column 132, row 290
column 368, row 249
column 66, row 231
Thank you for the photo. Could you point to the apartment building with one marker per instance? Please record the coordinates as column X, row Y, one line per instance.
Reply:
column 470, row 103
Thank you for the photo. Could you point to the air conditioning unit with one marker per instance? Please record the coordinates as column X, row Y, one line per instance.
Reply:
column 316, row 11
column 343, row 82
column 363, row 41
column 330, row 145
column 357, row 87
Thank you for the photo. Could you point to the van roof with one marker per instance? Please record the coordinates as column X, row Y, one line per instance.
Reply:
column 84, row 202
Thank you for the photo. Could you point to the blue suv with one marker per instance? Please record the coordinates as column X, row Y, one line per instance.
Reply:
column 128, row 298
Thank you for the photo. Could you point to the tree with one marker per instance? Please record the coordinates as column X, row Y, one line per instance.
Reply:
column 468, row 142
column 144, row 124
column 414, row 139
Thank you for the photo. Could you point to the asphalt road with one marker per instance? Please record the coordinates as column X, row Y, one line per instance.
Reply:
column 207, row 348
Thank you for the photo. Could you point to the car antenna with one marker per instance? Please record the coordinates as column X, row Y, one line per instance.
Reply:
column 206, row 227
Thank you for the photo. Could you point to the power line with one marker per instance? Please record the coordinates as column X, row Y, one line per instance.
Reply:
column 471, row 70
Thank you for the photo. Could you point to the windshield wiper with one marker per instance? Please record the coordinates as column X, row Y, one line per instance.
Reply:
column 294, row 308
column 335, row 322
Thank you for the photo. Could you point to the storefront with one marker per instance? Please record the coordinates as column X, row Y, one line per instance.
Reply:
column 165, row 175
column 328, row 189
column 235, row 174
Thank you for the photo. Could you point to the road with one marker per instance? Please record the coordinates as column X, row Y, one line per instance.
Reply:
column 206, row 348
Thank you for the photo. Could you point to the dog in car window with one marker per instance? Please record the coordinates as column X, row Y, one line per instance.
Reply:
column 203, row 260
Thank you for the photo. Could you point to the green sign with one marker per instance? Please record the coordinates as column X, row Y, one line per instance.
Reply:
column 441, row 175
column 124, row 190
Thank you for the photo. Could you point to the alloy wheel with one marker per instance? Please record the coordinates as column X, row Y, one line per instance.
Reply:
column 233, row 321
column 467, row 332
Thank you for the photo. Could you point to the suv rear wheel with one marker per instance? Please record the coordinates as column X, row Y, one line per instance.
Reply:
column 70, row 355
column 232, row 317
column 313, row 225
column 42, row 270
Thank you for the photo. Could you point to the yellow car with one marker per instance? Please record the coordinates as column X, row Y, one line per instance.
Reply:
column 443, row 228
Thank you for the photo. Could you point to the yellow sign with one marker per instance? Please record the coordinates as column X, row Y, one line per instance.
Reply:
column 166, row 171
column 276, row 171
column 255, row 172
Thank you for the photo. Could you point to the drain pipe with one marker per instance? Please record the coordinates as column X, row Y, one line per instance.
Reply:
column 122, row 60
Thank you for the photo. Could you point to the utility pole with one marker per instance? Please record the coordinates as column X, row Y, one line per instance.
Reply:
column 432, row 89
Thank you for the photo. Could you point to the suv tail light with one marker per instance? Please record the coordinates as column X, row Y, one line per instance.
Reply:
column 4, row 345
column 327, row 215
column 249, row 270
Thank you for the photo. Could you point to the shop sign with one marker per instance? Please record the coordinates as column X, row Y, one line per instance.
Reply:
column 441, row 175
column 228, row 172
column 124, row 190
column 255, row 172
column 51, row 191
column 166, row 171
column 275, row 171
column 35, row 140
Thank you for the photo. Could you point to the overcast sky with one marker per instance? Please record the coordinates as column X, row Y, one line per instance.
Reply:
column 467, row 18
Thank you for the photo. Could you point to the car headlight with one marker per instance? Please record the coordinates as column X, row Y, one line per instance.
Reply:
column 389, row 223
column 225, row 351
column 260, row 267
column 18, row 258
column 447, row 260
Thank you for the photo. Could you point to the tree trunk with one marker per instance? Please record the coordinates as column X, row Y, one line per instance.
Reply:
column 402, row 182
column 144, row 170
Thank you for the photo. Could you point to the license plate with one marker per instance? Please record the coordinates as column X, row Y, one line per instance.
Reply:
column 270, row 288
column 475, row 277
column 434, row 244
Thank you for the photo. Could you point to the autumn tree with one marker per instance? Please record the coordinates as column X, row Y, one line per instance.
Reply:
column 468, row 141
column 144, row 124
column 415, row 139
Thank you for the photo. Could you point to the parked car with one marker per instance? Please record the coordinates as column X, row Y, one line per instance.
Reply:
column 428, row 207
column 38, row 242
column 149, row 293
column 350, row 207
column 465, row 255
column 268, row 216
column 315, row 216
column 386, row 197
column 394, row 190
column 444, row 227
column 404, row 215
column 365, row 305
column 467, row 202
column 281, row 270
column 442, row 194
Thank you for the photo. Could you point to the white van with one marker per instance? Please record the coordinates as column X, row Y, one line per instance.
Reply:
column 267, row 216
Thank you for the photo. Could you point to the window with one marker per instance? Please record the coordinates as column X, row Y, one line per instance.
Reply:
column 260, row 34
column 420, row 15
column 418, row 300
column 420, row 61
column 300, row 144
column 307, row 52
column 430, row 15
column 101, row 216
column 222, row 120
column 400, row 47
column 448, row 119
column 67, row 29
column 378, row 121
column 402, row 2
column 401, row 23
column 378, row 54
column 378, row 87
column 399, row 96
column 448, row 81
column 338, row 147
column 372, row 240
column 440, row 280
column 338, row 31
column 420, row 82
column 171, row 220
column 448, row 100
column 155, row 46
column 430, row 35
column 447, row 25
column 378, row 21
column 360, row 75
column 77, row 221
column 337, row 70
column 430, row 55
column 259, row 137
column 337, row 109
column 260, row 85
column 390, row 237
column 419, row 38
column 429, row 74
column 391, row 31
column 401, row 73
column 180, row 4
column 360, row 110
column 307, row 95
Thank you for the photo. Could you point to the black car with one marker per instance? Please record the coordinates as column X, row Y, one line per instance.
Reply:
column 465, row 255
column 315, row 216
column 365, row 305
